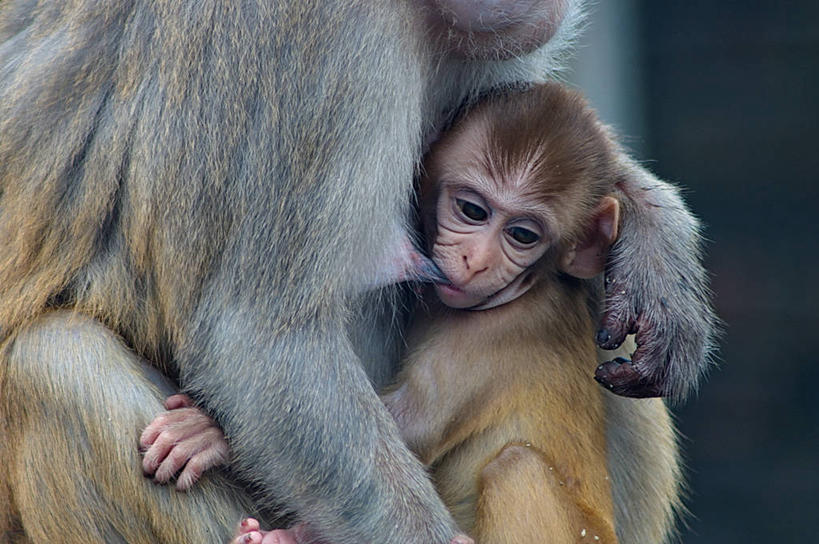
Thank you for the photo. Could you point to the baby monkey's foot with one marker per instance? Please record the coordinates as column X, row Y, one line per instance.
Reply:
column 249, row 532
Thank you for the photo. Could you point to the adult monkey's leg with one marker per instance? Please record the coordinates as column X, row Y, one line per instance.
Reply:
column 74, row 400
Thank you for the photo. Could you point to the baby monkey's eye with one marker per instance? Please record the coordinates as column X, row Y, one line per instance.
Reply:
column 471, row 210
column 522, row 236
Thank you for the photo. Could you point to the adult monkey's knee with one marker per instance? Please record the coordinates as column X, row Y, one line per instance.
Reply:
column 74, row 399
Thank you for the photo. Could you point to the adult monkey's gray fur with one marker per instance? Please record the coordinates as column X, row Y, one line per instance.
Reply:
column 209, row 182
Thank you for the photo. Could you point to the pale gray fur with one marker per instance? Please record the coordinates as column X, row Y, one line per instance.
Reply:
column 180, row 158
column 457, row 81
column 655, row 288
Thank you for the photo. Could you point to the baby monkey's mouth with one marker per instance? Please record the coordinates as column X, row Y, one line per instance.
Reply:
column 448, row 287
column 430, row 272
column 435, row 275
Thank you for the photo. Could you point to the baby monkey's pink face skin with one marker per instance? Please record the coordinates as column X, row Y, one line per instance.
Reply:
column 497, row 213
column 486, row 241
column 489, row 228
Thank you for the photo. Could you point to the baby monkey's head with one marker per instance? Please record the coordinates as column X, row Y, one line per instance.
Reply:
column 519, row 186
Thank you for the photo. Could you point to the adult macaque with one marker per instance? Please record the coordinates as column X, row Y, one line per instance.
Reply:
column 491, row 395
column 207, row 185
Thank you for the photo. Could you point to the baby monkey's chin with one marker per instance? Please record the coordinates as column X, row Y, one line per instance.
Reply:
column 456, row 298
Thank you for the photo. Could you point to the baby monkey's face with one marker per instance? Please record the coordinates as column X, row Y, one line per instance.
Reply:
column 488, row 236
column 489, row 228
column 495, row 201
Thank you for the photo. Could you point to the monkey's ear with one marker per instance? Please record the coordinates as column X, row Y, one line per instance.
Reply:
column 588, row 257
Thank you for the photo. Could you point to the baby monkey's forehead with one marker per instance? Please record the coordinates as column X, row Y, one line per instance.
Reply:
column 466, row 163
column 474, row 153
column 467, row 151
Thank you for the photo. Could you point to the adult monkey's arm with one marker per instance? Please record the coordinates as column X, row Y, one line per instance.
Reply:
column 657, row 288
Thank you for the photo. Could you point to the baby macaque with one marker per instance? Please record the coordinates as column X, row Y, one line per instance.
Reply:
column 496, row 394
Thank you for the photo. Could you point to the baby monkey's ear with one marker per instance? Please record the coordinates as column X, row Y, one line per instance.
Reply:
column 587, row 258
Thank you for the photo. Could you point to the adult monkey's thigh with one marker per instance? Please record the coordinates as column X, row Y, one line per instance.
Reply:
column 74, row 400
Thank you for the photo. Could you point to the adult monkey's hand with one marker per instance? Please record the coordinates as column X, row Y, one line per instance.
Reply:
column 657, row 289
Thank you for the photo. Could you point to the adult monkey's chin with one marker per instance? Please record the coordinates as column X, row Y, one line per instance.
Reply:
column 495, row 29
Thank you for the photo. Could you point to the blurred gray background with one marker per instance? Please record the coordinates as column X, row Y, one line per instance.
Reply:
column 723, row 98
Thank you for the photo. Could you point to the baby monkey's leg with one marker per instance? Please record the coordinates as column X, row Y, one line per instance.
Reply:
column 524, row 498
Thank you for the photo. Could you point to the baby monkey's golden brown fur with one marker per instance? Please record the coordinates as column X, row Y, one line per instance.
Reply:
column 497, row 402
